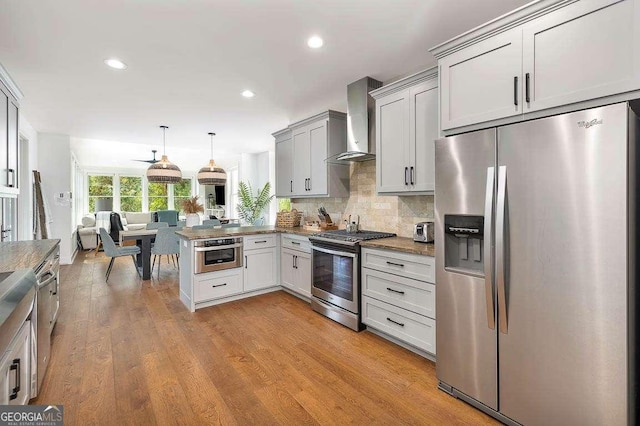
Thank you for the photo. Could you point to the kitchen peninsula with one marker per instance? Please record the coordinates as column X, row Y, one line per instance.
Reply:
column 219, row 265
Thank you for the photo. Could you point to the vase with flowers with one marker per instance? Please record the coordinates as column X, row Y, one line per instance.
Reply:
column 192, row 207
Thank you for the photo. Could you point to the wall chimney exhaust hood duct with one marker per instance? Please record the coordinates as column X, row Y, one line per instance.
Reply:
column 361, row 112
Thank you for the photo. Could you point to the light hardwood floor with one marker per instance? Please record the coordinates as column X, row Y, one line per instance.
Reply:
column 128, row 352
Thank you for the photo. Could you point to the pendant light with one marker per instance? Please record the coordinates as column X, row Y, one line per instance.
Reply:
column 164, row 171
column 211, row 174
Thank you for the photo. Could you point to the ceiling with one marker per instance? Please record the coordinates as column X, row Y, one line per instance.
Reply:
column 189, row 61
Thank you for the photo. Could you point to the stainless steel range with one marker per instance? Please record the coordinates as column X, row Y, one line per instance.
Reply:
column 335, row 265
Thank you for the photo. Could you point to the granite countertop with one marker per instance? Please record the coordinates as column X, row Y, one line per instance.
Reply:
column 402, row 244
column 25, row 254
column 199, row 234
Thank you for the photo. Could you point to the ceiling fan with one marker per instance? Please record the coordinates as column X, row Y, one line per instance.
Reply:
column 153, row 161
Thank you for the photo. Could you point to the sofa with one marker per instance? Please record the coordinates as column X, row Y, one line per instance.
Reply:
column 134, row 221
column 88, row 232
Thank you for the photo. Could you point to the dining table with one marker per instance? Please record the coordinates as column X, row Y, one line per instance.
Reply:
column 143, row 239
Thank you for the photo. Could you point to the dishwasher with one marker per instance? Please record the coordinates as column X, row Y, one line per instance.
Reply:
column 46, row 301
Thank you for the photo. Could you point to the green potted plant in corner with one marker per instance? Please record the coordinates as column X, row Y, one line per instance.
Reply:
column 250, row 207
column 191, row 208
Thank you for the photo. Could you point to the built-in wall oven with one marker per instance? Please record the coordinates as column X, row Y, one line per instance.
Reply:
column 217, row 254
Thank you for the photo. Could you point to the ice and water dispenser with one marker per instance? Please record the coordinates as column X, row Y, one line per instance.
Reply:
column 463, row 244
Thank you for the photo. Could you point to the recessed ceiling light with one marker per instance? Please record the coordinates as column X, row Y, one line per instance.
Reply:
column 248, row 94
column 315, row 42
column 115, row 63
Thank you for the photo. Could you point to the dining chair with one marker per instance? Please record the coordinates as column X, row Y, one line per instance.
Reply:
column 112, row 251
column 231, row 225
column 182, row 223
column 157, row 225
column 202, row 227
column 211, row 222
column 167, row 243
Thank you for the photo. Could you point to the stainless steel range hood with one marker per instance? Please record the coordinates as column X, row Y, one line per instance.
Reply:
column 361, row 136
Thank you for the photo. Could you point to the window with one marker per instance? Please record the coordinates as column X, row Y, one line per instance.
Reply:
column 158, row 196
column 232, row 203
column 181, row 192
column 99, row 187
column 130, row 193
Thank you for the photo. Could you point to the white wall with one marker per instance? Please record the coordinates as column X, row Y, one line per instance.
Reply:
column 54, row 164
column 28, row 163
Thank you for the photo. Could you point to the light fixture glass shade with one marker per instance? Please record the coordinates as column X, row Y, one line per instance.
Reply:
column 211, row 174
column 164, row 171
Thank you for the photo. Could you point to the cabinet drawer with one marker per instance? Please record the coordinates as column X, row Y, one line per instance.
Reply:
column 405, row 293
column 404, row 264
column 417, row 330
column 296, row 242
column 217, row 285
column 260, row 241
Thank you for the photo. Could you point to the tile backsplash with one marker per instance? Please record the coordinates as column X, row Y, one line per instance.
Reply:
column 379, row 213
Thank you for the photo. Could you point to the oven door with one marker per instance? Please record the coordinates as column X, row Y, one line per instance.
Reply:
column 335, row 277
column 218, row 258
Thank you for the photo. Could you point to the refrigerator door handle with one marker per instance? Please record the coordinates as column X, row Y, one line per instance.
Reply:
column 488, row 259
column 500, row 248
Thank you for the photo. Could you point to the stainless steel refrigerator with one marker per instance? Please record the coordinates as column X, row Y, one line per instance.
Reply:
column 536, row 244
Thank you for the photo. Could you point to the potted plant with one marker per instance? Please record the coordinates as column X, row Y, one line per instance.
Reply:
column 250, row 207
column 192, row 207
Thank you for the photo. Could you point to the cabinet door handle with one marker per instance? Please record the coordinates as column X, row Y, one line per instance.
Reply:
column 406, row 181
column 245, row 262
column 13, row 178
column 526, row 85
column 395, row 322
column 259, row 242
column 395, row 264
column 295, row 262
column 515, row 90
column 411, row 175
column 309, row 184
column 395, row 291
column 218, row 285
column 15, row 366
column 295, row 243
column 291, row 186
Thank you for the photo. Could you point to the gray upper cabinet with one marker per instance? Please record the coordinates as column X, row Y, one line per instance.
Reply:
column 4, row 133
column 9, row 115
column 406, row 128
column 303, row 157
column 284, row 159
column 550, row 56
column 587, row 50
column 483, row 81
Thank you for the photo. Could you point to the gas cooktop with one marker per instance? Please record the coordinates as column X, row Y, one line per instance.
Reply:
column 351, row 238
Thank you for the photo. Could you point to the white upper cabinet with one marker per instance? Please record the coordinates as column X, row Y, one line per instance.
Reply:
column 406, row 128
column 587, row 50
column 303, row 157
column 482, row 82
column 547, row 57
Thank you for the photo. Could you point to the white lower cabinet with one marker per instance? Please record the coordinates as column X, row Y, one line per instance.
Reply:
column 295, row 265
column 216, row 285
column 260, row 269
column 417, row 330
column 15, row 369
column 395, row 302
